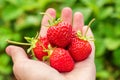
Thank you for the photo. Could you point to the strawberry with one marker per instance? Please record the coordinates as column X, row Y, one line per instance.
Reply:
column 40, row 46
column 80, row 47
column 61, row 60
column 37, row 46
column 60, row 34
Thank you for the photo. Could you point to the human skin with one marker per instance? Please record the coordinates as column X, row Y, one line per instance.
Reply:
column 27, row 69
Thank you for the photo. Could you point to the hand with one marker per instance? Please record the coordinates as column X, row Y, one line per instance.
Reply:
column 27, row 69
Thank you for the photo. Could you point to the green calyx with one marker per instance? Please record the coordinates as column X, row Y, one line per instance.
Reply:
column 49, row 51
column 80, row 36
column 32, row 41
column 84, row 37
column 52, row 20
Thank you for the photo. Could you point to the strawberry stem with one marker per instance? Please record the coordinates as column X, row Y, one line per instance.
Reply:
column 19, row 43
column 48, row 16
column 89, row 26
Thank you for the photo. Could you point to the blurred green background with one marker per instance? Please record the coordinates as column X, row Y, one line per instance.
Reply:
column 19, row 18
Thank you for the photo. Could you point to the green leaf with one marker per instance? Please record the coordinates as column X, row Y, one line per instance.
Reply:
column 117, row 2
column 2, row 3
column 43, row 3
column 117, row 8
column 116, row 57
column 99, row 62
column 4, row 58
column 14, row 2
column 1, row 77
column 7, row 34
column 24, row 4
column 116, row 14
column 5, row 67
column 108, row 29
column 105, row 12
column 100, row 29
column 16, row 37
column 104, row 74
column 29, row 4
column 91, row 4
column 101, row 3
column 26, row 22
column 88, row 2
column 67, row 3
column 112, row 43
column 5, row 77
column 11, row 12
column 100, row 47
column 117, row 30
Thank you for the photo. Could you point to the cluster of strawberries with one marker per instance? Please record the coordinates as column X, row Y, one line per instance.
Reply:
column 61, row 47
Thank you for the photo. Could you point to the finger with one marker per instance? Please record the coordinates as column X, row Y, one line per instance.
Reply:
column 66, row 15
column 90, row 34
column 45, row 19
column 17, row 53
column 51, row 12
column 78, row 21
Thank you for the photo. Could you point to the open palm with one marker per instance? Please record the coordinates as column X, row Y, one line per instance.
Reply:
column 27, row 69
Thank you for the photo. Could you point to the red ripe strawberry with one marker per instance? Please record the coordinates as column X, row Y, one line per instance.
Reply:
column 61, row 60
column 37, row 46
column 60, row 34
column 80, row 48
column 41, row 45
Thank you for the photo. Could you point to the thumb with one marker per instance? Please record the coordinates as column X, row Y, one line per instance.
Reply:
column 17, row 53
